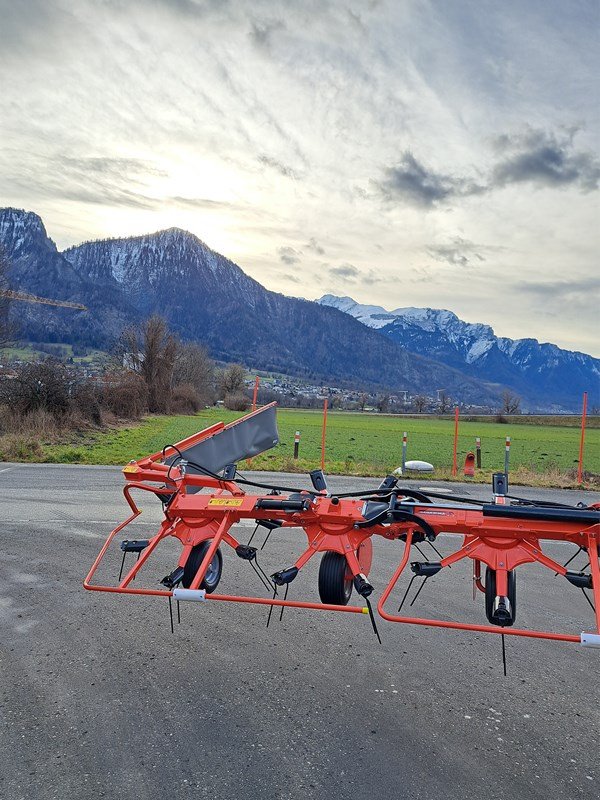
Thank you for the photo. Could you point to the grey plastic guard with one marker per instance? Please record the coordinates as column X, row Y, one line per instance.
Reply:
column 242, row 439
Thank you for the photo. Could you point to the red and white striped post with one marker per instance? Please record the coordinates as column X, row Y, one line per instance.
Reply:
column 404, row 445
column 478, row 451
column 583, row 419
column 296, row 445
column 506, row 454
column 323, row 435
column 255, row 395
column 455, row 450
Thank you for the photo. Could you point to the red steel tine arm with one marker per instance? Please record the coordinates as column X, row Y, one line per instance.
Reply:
column 595, row 570
column 226, row 523
column 395, row 577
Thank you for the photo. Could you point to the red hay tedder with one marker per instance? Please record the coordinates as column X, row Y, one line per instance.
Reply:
column 203, row 498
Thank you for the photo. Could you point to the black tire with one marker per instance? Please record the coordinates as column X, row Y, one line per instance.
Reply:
column 334, row 587
column 213, row 573
column 490, row 595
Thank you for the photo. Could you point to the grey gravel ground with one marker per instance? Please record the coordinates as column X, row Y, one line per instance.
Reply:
column 98, row 699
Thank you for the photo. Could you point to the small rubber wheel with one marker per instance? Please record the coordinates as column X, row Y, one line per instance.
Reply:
column 335, row 586
column 192, row 565
column 490, row 595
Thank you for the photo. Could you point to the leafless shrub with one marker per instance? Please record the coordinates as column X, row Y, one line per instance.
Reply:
column 185, row 399
column 40, row 385
column 125, row 394
column 236, row 402
column 85, row 401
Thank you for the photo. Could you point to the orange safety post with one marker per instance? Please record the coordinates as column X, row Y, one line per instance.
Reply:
column 454, row 464
column 470, row 465
column 255, row 395
column 583, row 418
column 323, row 434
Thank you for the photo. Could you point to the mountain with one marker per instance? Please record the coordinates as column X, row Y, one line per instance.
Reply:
column 207, row 298
column 542, row 374
column 37, row 267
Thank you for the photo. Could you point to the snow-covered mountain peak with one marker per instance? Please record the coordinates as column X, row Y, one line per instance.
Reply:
column 428, row 319
column 148, row 258
column 19, row 229
column 474, row 347
column 372, row 316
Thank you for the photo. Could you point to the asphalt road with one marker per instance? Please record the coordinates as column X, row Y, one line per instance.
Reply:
column 98, row 699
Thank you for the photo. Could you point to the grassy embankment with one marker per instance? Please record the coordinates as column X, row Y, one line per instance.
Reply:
column 365, row 444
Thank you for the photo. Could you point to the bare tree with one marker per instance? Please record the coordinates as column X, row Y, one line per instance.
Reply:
column 232, row 380
column 420, row 403
column 194, row 367
column 383, row 403
column 511, row 403
column 443, row 402
column 362, row 400
column 152, row 351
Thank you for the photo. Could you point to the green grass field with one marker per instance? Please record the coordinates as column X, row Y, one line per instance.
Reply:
column 29, row 352
column 363, row 444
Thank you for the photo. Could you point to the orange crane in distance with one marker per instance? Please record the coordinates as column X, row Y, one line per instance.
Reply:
column 32, row 298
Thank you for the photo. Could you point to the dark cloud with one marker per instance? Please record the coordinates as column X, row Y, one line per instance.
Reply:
column 561, row 290
column 104, row 196
column 412, row 182
column 536, row 157
column 357, row 21
column 544, row 159
column 278, row 166
column 372, row 277
column 106, row 166
column 348, row 271
column 315, row 247
column 288, row 255
column 459, row 252
column 202, row 202
column 261, row 33
column 193, row 8
column 104, row 181
column 353, row 274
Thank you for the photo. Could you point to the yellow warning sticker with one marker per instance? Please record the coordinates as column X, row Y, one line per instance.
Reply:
column 131, row 468
column 225, row 501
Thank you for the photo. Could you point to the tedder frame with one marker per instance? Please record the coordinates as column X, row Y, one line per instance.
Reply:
column 204, row 497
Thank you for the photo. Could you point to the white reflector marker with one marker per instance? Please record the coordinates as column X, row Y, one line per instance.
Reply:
column 590, row 639
column 419, row 466
column 195, row 595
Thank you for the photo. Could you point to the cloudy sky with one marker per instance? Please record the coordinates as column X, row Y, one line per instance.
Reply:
column 439, row 154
